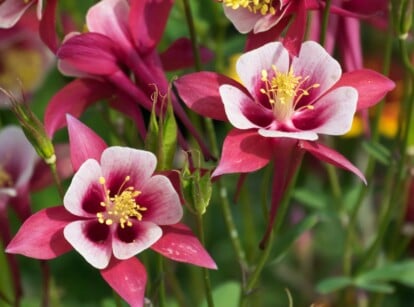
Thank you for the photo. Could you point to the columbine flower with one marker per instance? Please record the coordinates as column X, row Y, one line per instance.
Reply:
column 121, row 42
column 113, row 210
column 281, row 108
column 12, row 10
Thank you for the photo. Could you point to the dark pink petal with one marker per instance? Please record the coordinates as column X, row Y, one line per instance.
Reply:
column 331, row 156
column 296, row 32
column 200, row 92
column 90, row 240
column 11, row 11
column 180, row 55
column 131, row 240
column 332, row 114
column 244, row 151
column 84, row 142
column 41, row 235
column 108, row 17
column 251, row 64
column 73, row 99
column 119, row 162
column 128, row 279
column 147, row 20
column 318, row 66
column 350, row 44
column 371, row 86
column 42, row 176
column 92, row 53
column 84, row 189
column 180, row 244
column 161, row 200
column 47, row 26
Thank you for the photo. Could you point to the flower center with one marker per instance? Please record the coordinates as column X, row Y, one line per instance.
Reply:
column 284, row 92
column 5, row 178
column 121, row 207
column 255, row 6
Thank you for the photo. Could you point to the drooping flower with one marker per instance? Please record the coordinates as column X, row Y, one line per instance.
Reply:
column 11, row 11
column 281, row 107
column 114, row 209
column 114, row 49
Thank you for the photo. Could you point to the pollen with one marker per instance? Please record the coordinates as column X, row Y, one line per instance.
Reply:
column 284, row 90
column 262, row 7
column 5, row 178
column 120, row 208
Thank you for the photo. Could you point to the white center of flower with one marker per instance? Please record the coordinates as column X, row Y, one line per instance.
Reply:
column 121, row 207
column 5, row 178
column 284, row 92
column 255, row 6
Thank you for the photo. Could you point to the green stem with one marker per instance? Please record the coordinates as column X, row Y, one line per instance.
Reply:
column 369, row 170
column 193, row 36
column 325, row 22
column 206, row 272
column 161, row 285
column 280, row 217
column 57, row 180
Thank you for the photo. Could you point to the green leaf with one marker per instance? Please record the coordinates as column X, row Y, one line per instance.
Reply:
column 151, row 141
column 285, row 241
column 379, row 287
column 168, row 131
column 402, row 272
column 226, row 294
column 309, row 198
column 378, row 151
column 333, row 284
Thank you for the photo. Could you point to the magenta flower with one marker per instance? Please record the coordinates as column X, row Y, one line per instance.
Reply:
column 113, row 210
column 281, row 108
column 11, row 11
column 121, row 42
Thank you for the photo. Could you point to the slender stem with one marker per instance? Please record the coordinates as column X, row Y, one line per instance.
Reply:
column 161, row 285
column 369, row 170
column 57, row 180
column 193, row 35
column 45, row 283
column 280, row 217
column 325, row 22
column 174, row 284
column 206, row 272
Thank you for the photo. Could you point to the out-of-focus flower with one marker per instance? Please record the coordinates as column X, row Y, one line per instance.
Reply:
column 115, row 48
column 281, row 108
column 24, row 60
column 113, row 210
column 12, row 10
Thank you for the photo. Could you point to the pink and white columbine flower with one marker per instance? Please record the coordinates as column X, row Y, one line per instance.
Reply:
column 12, row 10
column 113, row 210
column 280, row 109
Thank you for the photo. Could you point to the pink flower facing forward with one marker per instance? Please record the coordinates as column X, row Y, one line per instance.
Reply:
column 281, row 108
column 120, row 210
column 112, row 211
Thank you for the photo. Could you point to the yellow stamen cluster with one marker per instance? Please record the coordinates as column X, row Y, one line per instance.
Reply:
column 284, row 91
column 121, row 207
column 5, row 178
column 263, row 7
